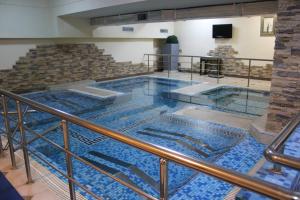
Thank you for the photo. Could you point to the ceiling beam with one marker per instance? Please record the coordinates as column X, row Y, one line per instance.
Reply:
column 232, row 10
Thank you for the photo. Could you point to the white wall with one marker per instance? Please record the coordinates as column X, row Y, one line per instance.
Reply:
column 39, row 19
column 149, row 30
column 10, row 53
column 25, row 19
column 195, row 37
column 71, row 27
column 124, row 50
column 131, row 46
column 12, row 49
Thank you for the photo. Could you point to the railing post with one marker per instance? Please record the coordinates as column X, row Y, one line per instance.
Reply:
column 8, row 132
column 219, row 68
column 192, row 67
column 163, row 179
column 24, row 143
column 218, row 73
column 148, row 64
column 169, row 65
column 249, row 73
column 202, row 66
column 277, row 169
column 68, row 159
column 1, row 147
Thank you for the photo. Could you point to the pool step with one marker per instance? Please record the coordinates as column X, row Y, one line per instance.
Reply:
column 249, row 103
column 128, row 85
column 212, row 151
column 257, row 98
column 66, row 105
column 106, row 106
column 123, row 84
column 103, row 104
column 65, row 102
column 217, row 97
column 242, row 95
column 131, row 118
column 185, row 123
column 217, row 116
column 188, row 142
column 182, row 143
column 125, row 171
column 93, row 91
column 145, row 177
column 187, row 137
column 240, row 158
column 112, row 110
column 112, row 171
column 123, row 110
column 132, row 111
column 86, row 140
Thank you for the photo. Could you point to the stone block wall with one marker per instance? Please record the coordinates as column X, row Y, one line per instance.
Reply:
column 239, row 68
column 53, row 64
column 285, row 87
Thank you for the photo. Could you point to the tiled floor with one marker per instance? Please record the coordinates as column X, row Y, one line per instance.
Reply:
column 17, row 177
column 242, row 82
column 288, row 178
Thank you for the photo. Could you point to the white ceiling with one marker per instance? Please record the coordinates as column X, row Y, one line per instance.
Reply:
column 148, row 5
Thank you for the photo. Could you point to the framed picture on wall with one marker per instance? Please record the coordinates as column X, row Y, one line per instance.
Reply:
column 267, row 26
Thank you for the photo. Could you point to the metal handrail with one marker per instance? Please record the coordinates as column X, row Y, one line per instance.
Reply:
column 229, row 58
column 191, row 57
column 165, row 155
column 272, row 152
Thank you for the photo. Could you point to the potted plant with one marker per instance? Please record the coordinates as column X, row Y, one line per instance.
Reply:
column 171, row 48
column 172, row 39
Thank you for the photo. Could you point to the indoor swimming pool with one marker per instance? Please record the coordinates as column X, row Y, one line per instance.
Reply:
column 143, row 110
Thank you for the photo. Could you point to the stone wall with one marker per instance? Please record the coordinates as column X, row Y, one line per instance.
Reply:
column 48, row 65
column 239, row 68
column 285, row 88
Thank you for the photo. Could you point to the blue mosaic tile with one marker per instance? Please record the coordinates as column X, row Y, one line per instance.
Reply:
column 289, row 178
column 142, row 111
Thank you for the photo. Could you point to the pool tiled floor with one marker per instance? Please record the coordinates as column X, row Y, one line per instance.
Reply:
column 289, row 178
column 143, row 112
column 234, row 81
column 241, row 158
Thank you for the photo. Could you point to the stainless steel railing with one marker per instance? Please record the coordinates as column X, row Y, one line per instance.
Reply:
column 165, row 155
column 191, row 58
column 274, row 153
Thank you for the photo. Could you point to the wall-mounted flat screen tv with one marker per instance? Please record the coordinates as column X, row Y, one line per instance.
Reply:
column 222, row 31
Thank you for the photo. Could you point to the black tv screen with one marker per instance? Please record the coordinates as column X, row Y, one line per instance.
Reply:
column 222, row 31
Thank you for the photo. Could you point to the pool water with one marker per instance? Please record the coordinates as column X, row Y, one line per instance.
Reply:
column 143, row 111
column 242, row 101
column 237, row 99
